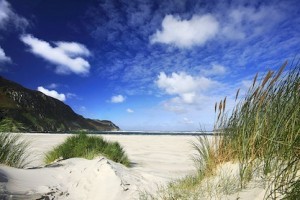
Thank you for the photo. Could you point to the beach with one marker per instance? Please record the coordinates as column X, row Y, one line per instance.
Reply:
column 155, row 160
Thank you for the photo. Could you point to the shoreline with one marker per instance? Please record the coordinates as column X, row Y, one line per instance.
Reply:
column 158, row 133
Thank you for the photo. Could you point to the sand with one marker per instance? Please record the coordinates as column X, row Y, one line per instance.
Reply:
column 164, row 156
column 156, row 160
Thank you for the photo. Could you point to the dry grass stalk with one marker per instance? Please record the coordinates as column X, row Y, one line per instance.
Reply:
column 262, row 98
column 254, row 81
column 219, row 115
column 216, row 104
column 279, row 73
column 253, row 96
column 224, row 104
column 220, row 106
column 268, row 76
column 237, row 94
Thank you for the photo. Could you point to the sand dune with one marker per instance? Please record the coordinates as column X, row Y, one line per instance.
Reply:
column 155, row 161
column 76, row 178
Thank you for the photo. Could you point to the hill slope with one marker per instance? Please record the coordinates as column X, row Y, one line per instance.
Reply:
column 22, row 109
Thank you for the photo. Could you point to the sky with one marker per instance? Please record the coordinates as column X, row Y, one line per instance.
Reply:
column 146, row 64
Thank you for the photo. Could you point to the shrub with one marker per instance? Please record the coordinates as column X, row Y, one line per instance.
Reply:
column 13, row 150
column 82, row 145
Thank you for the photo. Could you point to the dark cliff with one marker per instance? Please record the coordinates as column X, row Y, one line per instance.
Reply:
column 22, row 109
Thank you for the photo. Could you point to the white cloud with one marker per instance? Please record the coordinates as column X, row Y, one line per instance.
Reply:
column 4, row 11
column 129, row 110
column 117, row 99
column 52, row 93
column 73, row 48
column 66, row 55
column 241, row 22
column 53, row 85
column 71, row 95
column 7, row 15
column 8, row 19
column 236, row 23
column 175, row 105
column 82, row 109
column 189, row 94
column 246, row 84
column 185, row 86
column 186, row 120
column 186, row 33
column 3, row 57
column 214, row 70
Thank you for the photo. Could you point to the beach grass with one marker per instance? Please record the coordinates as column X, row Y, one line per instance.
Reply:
column 10, row 125
column 13, row 150
column 264, row 130
column 261, row 135
column 85, row 146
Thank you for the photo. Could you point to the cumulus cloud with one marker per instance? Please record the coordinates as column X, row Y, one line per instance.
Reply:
column 52, row 93
column 233, row 23
column 7, row 15
column 129, row 110
column 65, row 55
column 188, row 94
column 185, row 86
column 186, row 33
column 214, row 70
column 3, row 57
column 117, row 99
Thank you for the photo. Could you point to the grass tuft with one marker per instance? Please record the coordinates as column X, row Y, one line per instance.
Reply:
column 264, row 130
column 84, row 146
column 205, row 156
column 10, row 125
column 13, row 150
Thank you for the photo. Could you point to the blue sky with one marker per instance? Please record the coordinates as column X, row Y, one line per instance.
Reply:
column 145, row 64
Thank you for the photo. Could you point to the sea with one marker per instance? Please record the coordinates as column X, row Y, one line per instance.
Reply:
column 182, row 133
column 175, row 133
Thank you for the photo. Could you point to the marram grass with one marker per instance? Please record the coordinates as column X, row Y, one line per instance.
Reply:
column 262, row 134
column 13, row 150
column 264, row 129
column 10, row 125
column 85, row 146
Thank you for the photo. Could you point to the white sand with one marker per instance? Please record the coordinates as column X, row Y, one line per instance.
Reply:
column 164, row 156
column 156, row 161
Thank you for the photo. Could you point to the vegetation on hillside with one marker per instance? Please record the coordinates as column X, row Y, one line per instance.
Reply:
column 85, row 146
